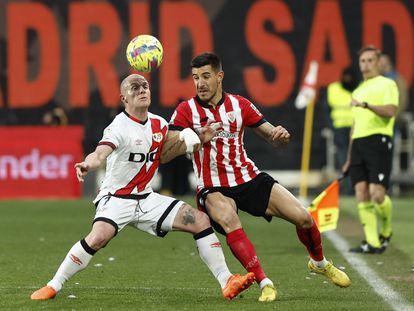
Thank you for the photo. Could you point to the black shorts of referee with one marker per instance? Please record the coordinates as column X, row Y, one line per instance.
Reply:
column 371, row 160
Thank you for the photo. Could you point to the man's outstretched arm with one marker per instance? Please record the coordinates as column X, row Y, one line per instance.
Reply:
column 92, row 161
column 274, row 135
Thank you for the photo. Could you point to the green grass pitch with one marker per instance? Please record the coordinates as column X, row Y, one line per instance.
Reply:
column 137, row 271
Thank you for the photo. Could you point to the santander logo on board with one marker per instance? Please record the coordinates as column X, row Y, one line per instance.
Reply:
column 35, row 165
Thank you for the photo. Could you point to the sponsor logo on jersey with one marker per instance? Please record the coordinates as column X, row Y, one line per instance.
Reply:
column 225, row 134
column 142, row 157
column 157, row 137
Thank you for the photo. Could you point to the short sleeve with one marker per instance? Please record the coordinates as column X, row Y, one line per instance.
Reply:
column 251, row 115
column 111, row 137
column 181, row 117
column 391, row 94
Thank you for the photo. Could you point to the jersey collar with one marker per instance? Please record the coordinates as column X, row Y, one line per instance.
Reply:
column 206, row 104
column 135, row 119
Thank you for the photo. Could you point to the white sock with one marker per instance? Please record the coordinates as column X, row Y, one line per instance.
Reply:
column 320, row 264
column 210, row 251
column 76, row 260
column 264, row 282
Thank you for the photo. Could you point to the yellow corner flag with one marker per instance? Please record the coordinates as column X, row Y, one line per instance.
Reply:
column 325, row 208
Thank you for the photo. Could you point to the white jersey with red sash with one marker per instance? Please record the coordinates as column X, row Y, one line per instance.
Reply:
column 131, row 167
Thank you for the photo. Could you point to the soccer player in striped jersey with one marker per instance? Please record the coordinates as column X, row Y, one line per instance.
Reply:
column 131, row 146
column 228, row 181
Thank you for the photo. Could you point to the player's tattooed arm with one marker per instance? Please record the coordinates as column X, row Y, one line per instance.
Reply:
column 179, row 142
column 275, row 135
column 172, row 147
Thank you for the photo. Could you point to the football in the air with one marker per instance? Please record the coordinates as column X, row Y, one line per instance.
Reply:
column 144, row 53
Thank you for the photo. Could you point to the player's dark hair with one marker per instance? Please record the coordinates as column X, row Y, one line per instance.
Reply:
column 207, row 58
column 369, row 48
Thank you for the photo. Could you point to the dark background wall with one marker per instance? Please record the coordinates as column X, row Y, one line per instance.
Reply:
column 72, row 54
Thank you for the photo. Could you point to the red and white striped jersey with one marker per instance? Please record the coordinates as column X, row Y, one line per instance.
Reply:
column 131, row 167
column 223, row 161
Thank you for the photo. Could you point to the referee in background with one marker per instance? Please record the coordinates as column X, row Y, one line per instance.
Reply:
column 374, row 107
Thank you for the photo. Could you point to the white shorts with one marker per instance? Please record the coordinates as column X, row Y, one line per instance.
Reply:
column 155, row 214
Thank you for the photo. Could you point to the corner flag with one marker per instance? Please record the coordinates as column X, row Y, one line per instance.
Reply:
column 325, row 208
column 307, row 92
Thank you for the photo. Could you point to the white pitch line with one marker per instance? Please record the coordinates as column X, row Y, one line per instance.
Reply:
column 71, row 287
column 391, row 297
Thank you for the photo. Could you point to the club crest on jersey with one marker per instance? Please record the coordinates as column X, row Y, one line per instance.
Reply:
column 231, row 116
column 157, row 137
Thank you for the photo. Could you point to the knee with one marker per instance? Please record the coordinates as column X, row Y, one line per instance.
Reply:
column 201, row 220
column 97, row 240
column 223, row 212
column 377, row 194
column 228, row 219
column 377, row 197
column 361, row 195
column 362, row 192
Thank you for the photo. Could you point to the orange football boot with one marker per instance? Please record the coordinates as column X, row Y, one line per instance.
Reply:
column 236, row 284
column 44, row 293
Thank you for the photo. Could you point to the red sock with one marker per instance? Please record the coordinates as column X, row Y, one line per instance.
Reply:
column 244, row 251
column 311, row 238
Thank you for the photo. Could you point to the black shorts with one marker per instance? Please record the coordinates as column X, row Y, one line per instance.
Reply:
column 371, row 160
column 251, row 197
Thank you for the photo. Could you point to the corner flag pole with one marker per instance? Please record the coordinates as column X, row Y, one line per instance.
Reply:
column 306, row 149
column 306, row 98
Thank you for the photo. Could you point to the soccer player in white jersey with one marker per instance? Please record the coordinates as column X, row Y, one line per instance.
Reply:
column 131, row 146
column 229, row 181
